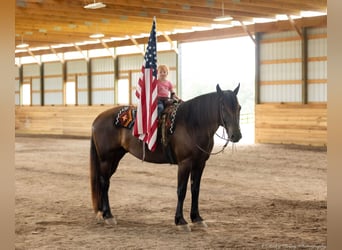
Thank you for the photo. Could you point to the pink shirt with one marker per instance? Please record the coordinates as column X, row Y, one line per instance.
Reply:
column 164, row 88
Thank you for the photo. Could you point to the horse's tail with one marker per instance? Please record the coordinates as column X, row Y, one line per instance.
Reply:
column 95, row 176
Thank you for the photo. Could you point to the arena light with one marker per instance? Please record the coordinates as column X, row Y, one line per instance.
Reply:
column 95, row 5
column 22, row 45
column 223, row 17
column 96, row 35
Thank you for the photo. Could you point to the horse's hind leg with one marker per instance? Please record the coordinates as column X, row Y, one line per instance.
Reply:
column 106, row 169
column 183, row 177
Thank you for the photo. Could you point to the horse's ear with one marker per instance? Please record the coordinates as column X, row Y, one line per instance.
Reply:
column 236, row 90
column 218, row 89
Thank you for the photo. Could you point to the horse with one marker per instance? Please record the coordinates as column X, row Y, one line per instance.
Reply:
column 191, row 144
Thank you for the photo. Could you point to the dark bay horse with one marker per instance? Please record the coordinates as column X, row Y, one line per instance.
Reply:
column 196, row 122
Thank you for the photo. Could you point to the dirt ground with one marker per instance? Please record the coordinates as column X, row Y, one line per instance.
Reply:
column 253, row 197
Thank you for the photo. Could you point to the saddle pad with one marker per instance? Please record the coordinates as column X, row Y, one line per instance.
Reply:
column 126, row 117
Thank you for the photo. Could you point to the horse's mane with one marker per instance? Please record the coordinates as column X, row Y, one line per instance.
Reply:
column 199, row 110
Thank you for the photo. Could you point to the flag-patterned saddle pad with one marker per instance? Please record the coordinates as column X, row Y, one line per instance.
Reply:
column 126, row 117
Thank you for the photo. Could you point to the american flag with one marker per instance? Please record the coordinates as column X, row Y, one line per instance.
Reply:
column 146, row 123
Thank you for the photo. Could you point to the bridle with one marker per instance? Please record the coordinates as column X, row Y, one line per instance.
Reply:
column 225, row 126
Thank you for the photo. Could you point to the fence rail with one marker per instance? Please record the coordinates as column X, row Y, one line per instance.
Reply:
column 247, row 118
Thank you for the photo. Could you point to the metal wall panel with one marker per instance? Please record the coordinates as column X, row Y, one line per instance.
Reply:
column 53, row 68
column 317, row 70
column 53, row 91
column 105, row 64
column 31, row 74
column 130, row 62
column 82, row 90
column 281, row 93
column 281, row 50
column 103, row 80
column 280, row 67
column 317, row 65
column 53, row 83
column 103, row 97
column 317, row 92
column 281, row 72
column 31, row 70
column 36, row 99
column 76, row 67
column 53, row 98
column 103, row 89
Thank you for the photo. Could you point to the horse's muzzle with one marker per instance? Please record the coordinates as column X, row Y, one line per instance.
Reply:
column 235, row 137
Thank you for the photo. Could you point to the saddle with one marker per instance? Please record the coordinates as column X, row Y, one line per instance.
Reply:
column 166, row 123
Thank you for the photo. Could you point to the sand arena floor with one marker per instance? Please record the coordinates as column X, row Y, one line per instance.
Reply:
column 255, row 197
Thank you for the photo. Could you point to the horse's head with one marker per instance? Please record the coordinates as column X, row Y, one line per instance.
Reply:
column 230, row 112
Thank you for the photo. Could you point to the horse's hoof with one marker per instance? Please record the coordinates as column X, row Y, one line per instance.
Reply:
column 200, row 224
column 184, row 228
column 99, row 217
column 110, row 221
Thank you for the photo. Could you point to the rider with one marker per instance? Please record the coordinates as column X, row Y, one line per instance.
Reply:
column 164, row 88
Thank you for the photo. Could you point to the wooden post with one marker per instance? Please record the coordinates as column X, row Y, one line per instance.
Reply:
column 90, row 102
column 304, row 66
column 21, row 80
column 42, row 88
column 257, row 68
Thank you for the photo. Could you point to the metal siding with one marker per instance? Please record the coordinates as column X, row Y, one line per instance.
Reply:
column 130, row 62
column 102, row 65
column 317, row 65
column 53, row 68
column 317, row 92
column 82, row 90
column 76, row 67
column 279, row 62
column 99, row 83
column 55, row 98
column 103, row 97
column 281, row 50
column 82, row 97
column 53, row 91
column 31, row 70
column 102, row 84
column 35, row 99
column 35, row 84
column 281, row 93
column 317, row 47
column 317, row 70
column 314, row 31
column 168, row 58
column 103, row 81
column 53, row 83
column 35, row 91
column 280, row 71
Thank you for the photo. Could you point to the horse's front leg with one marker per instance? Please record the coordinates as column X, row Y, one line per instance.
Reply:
column 196, row 175
column 183, row 176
